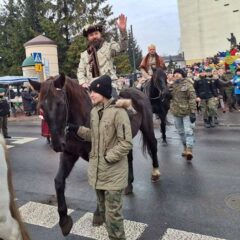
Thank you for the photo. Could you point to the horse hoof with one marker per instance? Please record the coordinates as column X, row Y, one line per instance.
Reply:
column 155, row 178
column 66, row 225
column 97, row 221
column 128, row 190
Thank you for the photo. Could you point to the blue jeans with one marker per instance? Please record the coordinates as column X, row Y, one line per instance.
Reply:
column 185, row 130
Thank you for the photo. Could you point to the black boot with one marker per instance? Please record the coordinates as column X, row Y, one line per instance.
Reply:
column 211, row 121
column 206, row 123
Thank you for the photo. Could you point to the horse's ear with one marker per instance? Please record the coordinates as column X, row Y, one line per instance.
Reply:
column 36, row 85
column 60, row 81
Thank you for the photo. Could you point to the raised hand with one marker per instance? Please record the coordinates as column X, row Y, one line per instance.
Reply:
column 122, row 22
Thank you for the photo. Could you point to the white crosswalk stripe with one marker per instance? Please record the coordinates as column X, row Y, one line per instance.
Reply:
column 19, row 140
column 173, row 234
column 40, row 214
column 47, row 216
column 83, row 227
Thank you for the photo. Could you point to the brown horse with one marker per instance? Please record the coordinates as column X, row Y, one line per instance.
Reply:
column 64, row 101
column 11, row 225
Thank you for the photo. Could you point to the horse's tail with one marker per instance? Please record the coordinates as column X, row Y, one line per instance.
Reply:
column 142, row 105
column 8, row 173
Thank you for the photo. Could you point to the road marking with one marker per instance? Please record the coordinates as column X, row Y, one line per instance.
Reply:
column 40, row 214
column 173, row 234
column 19, row 140
column 9, row 146
column 22, row 140
column 83, row 227
column 47, row 216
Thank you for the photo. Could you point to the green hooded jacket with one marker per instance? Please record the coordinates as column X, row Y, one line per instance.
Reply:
column 111, row 137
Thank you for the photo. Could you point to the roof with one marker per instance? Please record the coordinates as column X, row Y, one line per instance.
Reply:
column 174, row 58
column 16, row 79
column 29, row 61
column 40, row 40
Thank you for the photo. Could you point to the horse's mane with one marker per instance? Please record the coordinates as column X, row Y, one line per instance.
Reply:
column 13, row 208
column 159, row 78
column 77, row 96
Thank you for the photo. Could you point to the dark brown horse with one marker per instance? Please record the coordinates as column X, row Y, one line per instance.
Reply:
column 159, row 96
column 64, row 101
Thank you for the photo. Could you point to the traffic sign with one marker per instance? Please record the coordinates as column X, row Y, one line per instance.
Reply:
column 38, row 67
column 37, row 56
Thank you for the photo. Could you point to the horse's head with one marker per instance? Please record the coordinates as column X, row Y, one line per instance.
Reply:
column 159, row 82
column 54, row 104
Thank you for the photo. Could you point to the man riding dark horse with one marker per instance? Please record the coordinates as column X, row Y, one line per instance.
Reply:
column 157, row 91
column 150, row 62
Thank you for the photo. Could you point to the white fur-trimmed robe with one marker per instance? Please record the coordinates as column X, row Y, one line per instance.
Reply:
column 9, row 227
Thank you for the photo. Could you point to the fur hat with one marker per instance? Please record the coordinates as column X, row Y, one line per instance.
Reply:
column 103, row 86
column 180, row 71
column 90, row 28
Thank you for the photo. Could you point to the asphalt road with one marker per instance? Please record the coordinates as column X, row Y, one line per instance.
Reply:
column 190, row 199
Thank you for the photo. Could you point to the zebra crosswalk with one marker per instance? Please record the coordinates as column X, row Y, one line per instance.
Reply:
column 46, row 216
column 12, row 142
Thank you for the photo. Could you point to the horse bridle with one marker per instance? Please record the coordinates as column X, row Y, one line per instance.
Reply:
column 159, row 90
column 66, row 102
column 66, row 106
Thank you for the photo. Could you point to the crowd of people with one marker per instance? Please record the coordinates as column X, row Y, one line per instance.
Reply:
column 201, row 87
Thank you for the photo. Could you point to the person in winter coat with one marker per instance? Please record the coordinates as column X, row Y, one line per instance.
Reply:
column 29, row 103
column 111, row 137
column 151, row 61
column 236, row 84
column 183, row 107
column 97, row 59
column 206, row 96
column 4, row 112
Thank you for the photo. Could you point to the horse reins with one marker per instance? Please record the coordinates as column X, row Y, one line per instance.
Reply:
column 65, row 100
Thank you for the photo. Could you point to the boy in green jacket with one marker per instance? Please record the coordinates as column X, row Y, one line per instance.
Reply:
column 111, row 137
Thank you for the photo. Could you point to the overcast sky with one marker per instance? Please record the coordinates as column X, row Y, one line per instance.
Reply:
column 154, row 21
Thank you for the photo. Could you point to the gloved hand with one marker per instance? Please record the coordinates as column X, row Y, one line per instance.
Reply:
column 71, row 128
column 192, row 117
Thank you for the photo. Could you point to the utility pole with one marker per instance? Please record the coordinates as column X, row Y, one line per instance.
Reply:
column 133, row 53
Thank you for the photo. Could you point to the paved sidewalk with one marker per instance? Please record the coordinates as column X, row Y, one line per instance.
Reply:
column 22, row 117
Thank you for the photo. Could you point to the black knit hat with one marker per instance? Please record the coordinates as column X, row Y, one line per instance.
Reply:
column 180, row 71
column 103, row 86
column 91, row 29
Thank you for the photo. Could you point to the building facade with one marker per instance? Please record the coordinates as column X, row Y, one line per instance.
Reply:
column 49, row 54
column 206, row 25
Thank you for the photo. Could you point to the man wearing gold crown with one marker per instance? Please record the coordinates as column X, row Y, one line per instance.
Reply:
column 97, row 60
